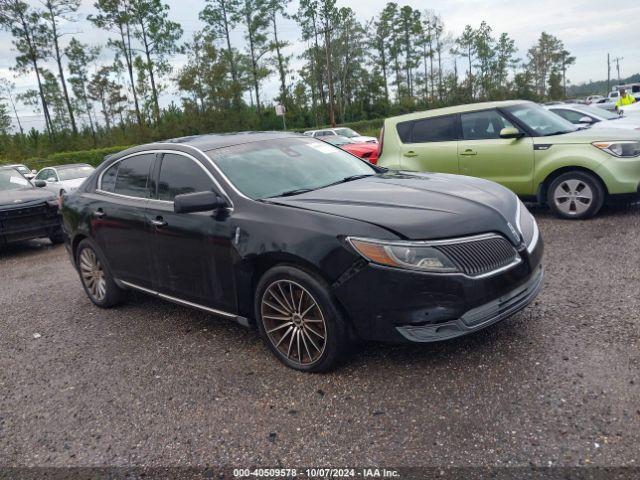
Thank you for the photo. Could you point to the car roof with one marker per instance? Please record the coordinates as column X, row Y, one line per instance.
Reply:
column 470, row 107
column 70, row 165
column 214, row 141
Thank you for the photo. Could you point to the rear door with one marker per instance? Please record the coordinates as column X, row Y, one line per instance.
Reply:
column 482, row 153
column 191, row 251
column 429, row 144
column 119, row 222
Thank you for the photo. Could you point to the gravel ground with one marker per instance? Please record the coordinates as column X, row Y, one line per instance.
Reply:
column 155, row 384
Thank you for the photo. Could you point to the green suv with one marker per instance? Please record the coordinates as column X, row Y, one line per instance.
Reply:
column 534, row 152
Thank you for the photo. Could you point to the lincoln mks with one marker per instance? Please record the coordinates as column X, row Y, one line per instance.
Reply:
column 308, row 243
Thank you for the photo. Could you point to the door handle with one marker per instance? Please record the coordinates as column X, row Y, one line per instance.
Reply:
column 99, row 213
column 468, row 151
column 159, row 222
column 410, row 153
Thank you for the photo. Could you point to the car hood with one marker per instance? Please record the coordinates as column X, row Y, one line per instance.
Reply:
column 623, row 122
column 73, row 183
column 418, row 206
column 589, row 135
column 24, row 197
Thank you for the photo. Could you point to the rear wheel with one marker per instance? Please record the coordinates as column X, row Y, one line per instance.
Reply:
column 96, row 277
column 299, row 321
column 575, row 195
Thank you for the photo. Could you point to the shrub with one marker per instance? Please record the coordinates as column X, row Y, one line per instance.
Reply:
column 92, row 157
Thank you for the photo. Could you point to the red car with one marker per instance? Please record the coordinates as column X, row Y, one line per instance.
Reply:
column 367, row 151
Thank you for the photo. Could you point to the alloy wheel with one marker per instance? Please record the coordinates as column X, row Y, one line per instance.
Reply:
column 92, row 274
column 573, row 197
column 293, row 322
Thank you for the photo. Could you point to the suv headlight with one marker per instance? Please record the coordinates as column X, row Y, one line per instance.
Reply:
column 528, row 227
column 411, row 255
column 623, row 149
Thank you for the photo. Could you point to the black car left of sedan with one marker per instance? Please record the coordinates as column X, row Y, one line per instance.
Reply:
column 307, row 242
column 26, row 211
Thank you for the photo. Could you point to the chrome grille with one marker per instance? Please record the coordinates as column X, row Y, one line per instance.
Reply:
column 480, row 256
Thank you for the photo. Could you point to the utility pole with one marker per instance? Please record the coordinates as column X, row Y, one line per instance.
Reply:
column 617, row 60
column 608, row 73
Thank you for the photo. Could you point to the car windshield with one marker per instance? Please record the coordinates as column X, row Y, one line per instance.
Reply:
column 346, row 132
column 287, row 166
column 71, row 173
column 541, row 121
column 337, row 140
column 10, row 179
column 599, row 112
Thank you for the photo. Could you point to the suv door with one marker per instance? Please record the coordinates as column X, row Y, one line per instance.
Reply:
column 119, row 221
column 429, row 144
column 191, row 251
column 482, row 153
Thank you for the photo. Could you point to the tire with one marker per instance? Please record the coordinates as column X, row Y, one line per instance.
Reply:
column 292, row 311
column 575, row 195
column 96, row 277
column 57, row 236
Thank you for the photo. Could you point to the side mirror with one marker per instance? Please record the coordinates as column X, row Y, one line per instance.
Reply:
column 40, row 183
column 511, row 132
column 586, row 119
column 34, row 172
column 198, row 202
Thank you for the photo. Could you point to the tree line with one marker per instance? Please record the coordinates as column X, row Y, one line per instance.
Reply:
column 348, row 69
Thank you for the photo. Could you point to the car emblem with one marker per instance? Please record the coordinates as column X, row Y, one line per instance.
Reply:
column 513, row 230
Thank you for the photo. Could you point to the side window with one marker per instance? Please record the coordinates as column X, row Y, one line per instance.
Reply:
column 108, row 182
column 43, row 175
column 133, row 175
column 437, row 129
column 178, row 175
column 570, row 115
column 483, row 125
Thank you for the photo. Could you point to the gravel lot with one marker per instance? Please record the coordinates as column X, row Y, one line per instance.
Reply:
column 155, row 384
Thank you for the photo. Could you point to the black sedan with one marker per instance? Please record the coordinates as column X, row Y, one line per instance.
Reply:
column 26, row 212
column 310, row 244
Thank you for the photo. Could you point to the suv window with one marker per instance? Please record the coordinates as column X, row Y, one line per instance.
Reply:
column 436, row 129
column 133, row 176
column 178, row 175
column 571, row 115
column 483, row 125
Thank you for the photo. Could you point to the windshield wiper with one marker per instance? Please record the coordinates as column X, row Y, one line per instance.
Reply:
column 559, row 132
column 350, row 178
column 290, row 193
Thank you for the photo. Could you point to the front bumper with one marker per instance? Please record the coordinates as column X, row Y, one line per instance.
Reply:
column 400, row 306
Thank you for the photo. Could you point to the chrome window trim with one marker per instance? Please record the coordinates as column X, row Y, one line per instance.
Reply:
column 449, row 241
column 179, row 300
column 156, row 151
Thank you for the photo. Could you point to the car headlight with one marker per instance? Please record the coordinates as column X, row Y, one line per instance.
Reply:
column 412, row 255
column 528, row 227
column 625, row 149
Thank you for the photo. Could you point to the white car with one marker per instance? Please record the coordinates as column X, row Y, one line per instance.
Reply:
column 64, row 178
column 342, row 131
column 588, row 116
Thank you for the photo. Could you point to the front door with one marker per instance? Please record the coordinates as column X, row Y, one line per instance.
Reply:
column 119, row 223
column 192, row 251
column 482, row 153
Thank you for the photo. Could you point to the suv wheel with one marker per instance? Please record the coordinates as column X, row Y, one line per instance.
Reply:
column 299, row 321
column 575, row 195
column 96, row 277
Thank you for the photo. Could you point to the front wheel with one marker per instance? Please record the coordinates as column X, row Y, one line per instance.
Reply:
column 299, row 321
column 575, row 195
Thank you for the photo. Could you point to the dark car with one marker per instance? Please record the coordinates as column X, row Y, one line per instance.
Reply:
column 26, row 212
column 312, row 245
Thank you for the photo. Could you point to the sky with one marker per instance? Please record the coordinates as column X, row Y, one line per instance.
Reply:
column 589, row 29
